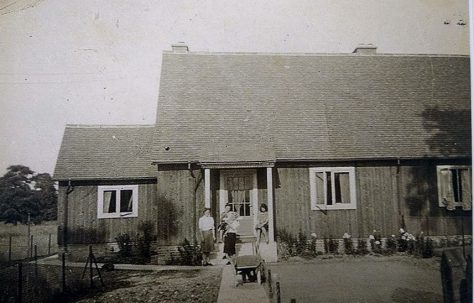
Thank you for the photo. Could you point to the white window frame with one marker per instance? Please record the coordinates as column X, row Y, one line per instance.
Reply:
column 439, row 168
column 332, row 170
column 117, row 214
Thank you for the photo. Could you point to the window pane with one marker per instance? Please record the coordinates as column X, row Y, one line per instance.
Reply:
column 446, row 190
column 126, row 200
column 109, row 201
column 328, row 189
column 456, row 185
column 341, row 181
column 319, row 188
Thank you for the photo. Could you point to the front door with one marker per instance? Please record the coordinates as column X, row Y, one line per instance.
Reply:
column 239, row 189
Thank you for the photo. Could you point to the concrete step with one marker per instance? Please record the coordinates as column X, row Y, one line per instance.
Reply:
column 268, row 252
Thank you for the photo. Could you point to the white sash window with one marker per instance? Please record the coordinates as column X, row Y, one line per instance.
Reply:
column 332, row 188
column 454, row 186
column 119, row 201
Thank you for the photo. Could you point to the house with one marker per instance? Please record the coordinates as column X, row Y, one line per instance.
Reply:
column 332, row 143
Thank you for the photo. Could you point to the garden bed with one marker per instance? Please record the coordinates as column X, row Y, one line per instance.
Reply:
column 200, row 285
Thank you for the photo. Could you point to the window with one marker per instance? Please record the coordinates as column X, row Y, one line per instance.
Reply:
column 117, row 201
column 238, row 194
column 454, row 186
column 332, row 188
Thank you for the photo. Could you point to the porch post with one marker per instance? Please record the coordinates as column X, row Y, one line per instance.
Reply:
column 207, row 188
column 270, row 204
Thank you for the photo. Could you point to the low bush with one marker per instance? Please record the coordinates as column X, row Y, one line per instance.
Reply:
column 362, row 247
column 189, row 254
column 125, row 244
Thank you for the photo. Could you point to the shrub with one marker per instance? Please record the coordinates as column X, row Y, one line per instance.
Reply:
column 428, row 249
column 312, row 245
column 287, row 244
column 391, row 245
column 125, row 244
column 406, row 242
column 144, row 239
column 376, row 242
column 189, row 254
column 331, row 245
column 301, row 244
column 362, row 247
column 348, row 245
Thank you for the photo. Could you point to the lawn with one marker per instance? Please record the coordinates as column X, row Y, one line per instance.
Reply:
column 360, row 279
column 19, row 236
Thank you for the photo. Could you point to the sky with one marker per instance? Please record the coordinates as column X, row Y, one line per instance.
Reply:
column 99, row 62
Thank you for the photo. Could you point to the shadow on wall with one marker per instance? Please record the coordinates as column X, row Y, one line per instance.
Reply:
column 167, row 220
column 81, row 235
column 450, row 135
column 450, row 130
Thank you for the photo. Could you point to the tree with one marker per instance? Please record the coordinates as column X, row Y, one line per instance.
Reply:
column 22, row 192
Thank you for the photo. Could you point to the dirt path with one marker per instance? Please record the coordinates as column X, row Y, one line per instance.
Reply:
column 200, row 285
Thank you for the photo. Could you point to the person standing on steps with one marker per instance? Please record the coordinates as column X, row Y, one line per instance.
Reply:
column 230, row 236
column 206, row 229
column 223, row 225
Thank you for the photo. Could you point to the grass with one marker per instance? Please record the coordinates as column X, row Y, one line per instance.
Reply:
column 19, row 236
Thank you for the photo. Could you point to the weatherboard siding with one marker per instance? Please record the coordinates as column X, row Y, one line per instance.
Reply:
column 84, row 226
column 378, row 206
column 179, row 208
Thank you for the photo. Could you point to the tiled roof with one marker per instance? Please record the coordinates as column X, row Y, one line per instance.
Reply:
column 105, row 152
column 218, row 107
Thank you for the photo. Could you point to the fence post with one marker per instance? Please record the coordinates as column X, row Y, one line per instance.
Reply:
column 293, row 301
column 20, row 283
column 28, row 251
column 9, row 249
column 90, row 266
column 31, row 246
column 269, row 281
column 36, row 261
column 278, row 292
column 64, row 271
column 49, row 244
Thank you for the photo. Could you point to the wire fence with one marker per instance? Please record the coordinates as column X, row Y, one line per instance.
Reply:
column 15, row 248
column 31, row 281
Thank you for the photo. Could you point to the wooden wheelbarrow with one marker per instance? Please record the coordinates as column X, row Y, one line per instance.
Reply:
column 251, row 267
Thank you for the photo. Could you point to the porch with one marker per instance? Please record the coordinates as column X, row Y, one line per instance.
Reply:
column 245, row 189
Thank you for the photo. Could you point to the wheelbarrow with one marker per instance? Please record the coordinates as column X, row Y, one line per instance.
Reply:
column 251, row 267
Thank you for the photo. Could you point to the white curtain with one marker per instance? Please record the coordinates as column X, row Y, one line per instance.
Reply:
column 319, row 188
column 446, row 185
column 344, row 187
column 109, row 202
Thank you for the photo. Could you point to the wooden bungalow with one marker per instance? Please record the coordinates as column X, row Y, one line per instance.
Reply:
column 332, row 143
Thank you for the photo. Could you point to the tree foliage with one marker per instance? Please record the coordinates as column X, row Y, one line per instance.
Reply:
column 23, row 191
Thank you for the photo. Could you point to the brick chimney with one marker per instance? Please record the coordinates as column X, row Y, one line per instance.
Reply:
column 180, row 48
column 365, row 49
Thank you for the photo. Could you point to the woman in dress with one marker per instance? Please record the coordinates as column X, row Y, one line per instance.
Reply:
column 230, row 236
column 262, row 223
column 223, row 225
column 206, row 228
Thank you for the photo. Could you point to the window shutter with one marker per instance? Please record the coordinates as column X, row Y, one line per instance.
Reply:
column 446, row 198
column 466, row 188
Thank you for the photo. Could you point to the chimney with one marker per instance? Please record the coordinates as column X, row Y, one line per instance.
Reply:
column 180, row 48
column 365, row 49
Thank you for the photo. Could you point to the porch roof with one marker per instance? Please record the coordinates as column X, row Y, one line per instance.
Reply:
column 230, row 107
